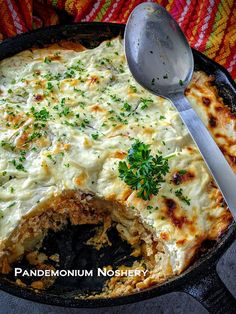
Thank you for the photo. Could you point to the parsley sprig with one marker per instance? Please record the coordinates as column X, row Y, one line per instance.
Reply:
column 142, row 171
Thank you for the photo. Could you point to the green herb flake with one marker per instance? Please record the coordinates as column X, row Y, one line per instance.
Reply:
column 142, row 171
column 145, row 103
column 49, row 86
column 42, row 115
column 185, row 199
column 47, row 60
column 182, row 172
column 94, row 136
column 133, row 88
column 18, row 166
column 126, row 107
column 11, row 205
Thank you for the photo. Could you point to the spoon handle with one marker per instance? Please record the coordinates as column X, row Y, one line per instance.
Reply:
column 223, row 174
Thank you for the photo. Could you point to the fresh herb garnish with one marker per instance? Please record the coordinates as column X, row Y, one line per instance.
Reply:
column 179, row 194
column 145, row 102
column 94, row 136
column 47, row 60
column 42, row 115
column 133, row 88
column 49, row 86
column 18, row 166
column 142, row 171
column 182, row 172
column 126, row 107
column 11, row 205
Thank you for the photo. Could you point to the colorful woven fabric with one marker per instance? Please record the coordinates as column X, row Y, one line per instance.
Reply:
column 209, row 25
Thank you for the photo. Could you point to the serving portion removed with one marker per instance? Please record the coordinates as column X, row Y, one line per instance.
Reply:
column 81, row 141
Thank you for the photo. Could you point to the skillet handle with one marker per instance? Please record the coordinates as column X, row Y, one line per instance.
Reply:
column 212, row 293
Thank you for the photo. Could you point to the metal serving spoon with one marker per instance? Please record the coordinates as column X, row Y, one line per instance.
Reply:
column 161, row 60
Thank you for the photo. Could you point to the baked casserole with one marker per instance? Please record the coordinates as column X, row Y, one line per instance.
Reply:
column 75, row 131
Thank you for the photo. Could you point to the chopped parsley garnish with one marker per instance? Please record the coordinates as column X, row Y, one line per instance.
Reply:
column 65, row 112
column 94, row 136
column 126, row 107
column 47, row 60
column 145, row 103
column 18, row 166
column 142, row 171
column 133, row 88
column 182, row 172
column 42, row 115
column 181, row 83
column 33, row 136
column 1, row 214
column 49, row 86
column 115, row 98
column 179, row 194
column 162, row 117
column 11, row 205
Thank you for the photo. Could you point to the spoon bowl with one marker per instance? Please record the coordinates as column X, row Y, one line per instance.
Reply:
column 157, row 51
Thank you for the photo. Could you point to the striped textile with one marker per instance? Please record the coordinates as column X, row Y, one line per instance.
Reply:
column 209, row 25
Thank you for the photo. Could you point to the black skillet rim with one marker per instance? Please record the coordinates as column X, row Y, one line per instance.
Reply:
column 227, row 90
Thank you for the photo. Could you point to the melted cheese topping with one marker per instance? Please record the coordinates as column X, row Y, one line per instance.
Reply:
column 69, row 117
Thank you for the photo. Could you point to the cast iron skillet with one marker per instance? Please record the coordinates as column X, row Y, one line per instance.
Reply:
column 200, row 280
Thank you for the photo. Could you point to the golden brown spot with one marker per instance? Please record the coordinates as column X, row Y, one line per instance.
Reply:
column 181, row 242
column 232, row 158
column 97, row 108
column 81, row 178
column 14, row 118
column 37, row 72
column 119, row 154
column 21, row 141
column 148, row 130
column 45, row 167
column 71, row 45
column 87, row 143
column 42, row 142
column 212, row 121
column 126, row 194
column 55, row 57
column 73, row 82
column 206, row 101
column 172, row 209
column 165, row 235
column 38, row 97
column 67, row 146
column 93, row 79
column 179, row 178
column 37, row 285
column 190, row 149
column 6, row 268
